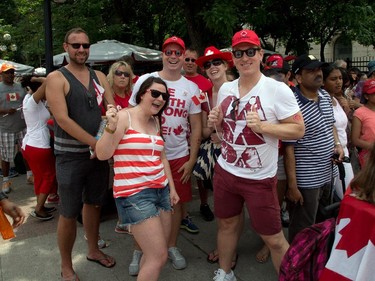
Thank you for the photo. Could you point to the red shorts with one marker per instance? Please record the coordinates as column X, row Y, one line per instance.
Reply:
column 183, row 189
column 260, row 196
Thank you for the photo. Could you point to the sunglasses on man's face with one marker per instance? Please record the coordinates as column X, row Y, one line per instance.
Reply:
column 78, row 45
column 190, row 60
column 169, row 52
column 120, row 73
column 233, row 112
column 249, row 52
column 208, row 64
column 155, row 94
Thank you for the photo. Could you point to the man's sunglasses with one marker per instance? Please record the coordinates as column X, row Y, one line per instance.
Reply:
column 233, row 112
column 120, row 73
column 249, row 52
column 189, row 59
column 169, row 52
column 78, row 45
column 155, row 94
column 215, row 62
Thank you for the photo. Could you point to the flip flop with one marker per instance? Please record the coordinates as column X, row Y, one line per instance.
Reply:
column 234, row 262
column 213, row 257
column 73, row 278
column 100, row 261
column 42, row 218
column 263, row 255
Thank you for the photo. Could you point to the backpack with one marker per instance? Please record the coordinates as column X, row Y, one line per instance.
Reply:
column 308, row 253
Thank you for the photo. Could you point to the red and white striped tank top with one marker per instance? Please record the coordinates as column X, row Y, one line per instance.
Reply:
column 137, row 163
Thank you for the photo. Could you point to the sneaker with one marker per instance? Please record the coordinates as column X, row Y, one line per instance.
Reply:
column 123, row 229
column 178, row 260
column 47, row 217
column 188, row 225
column 284, row 218
column 134, row 264
column 6, row 186
column 53, row 199
column 30, row 180
column 206, row 212
column 12, row 173
column 220, row 275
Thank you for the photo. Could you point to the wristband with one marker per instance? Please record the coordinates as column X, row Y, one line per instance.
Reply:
column 108, row 130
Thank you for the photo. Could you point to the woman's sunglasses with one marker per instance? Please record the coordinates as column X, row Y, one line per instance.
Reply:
column 190, row 60
column 78, row 45
column 120, row 73
column 215, row 62
column 169, row 52
column 155, row 94
column 249, row 52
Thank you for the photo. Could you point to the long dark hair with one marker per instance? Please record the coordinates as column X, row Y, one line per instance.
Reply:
column 143, row 89
column 364, row 182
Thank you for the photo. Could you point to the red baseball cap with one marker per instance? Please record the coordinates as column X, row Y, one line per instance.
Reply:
column 174, row 40
column 369, row 87
column 245, row 36
column 276, row 61
column 213, row 53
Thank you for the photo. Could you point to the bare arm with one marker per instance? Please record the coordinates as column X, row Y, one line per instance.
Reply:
column 290, row 128
column 356, row 134
column 195, row 141
column 40, row 93
column 293, row 193
column 56, row 87
column 167, row 169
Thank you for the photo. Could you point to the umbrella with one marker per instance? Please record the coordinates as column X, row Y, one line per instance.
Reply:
column 21, row 69
column 107, row 51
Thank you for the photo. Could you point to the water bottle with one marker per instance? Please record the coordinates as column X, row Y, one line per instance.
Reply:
column 98, row 135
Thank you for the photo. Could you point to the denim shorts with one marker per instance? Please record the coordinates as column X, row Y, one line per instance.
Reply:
column 143, row 205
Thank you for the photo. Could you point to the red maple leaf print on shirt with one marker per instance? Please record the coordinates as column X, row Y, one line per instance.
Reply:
column 178, row 131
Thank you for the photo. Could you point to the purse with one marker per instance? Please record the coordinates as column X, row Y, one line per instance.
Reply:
column 207, row 157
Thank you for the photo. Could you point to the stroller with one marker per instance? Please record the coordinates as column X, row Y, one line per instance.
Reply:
column 310, row 249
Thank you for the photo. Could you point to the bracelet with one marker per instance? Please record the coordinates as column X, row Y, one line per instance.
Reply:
column 108, row 130
column 337, row 143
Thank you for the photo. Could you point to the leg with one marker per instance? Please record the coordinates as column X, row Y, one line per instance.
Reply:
column 5, row 168
column 66, row 236
column 227, row 238
column 278, row 246
column 154, row 247
column 203, row 194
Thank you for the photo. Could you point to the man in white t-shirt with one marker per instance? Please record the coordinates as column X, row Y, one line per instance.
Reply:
column 181, row 120
column 254, row 112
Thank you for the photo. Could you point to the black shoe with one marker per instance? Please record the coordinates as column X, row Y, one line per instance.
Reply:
column 49, row 210
column 206, row 212
column 47, row 217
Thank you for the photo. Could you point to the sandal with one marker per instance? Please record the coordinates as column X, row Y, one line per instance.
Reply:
column 73, row 278
column 263, row 254
column 213, row 257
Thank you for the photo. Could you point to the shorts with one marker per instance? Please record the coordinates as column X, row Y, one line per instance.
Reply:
column 8, row 143
column 260, row 197
column 143, row 205
column 80, row 180
column 183, row 189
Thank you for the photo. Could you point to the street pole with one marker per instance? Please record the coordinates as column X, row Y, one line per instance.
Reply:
column 48, row 36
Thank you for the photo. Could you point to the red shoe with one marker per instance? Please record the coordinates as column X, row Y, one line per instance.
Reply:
column 53, row 199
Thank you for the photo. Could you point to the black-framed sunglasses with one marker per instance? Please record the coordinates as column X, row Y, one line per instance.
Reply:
column 78, row 45
column 120, row 73
column 233, row 112
column 190, row 60
column 249, row 52
column 155, row 94
column 215, row 62
column 169, row 52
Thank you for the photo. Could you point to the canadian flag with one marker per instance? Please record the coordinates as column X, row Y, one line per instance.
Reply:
column 353, row 253
column 198, row 99
column 99, row 92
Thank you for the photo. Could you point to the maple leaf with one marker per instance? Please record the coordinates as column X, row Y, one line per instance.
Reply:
column 178, row 131
column 357, row 233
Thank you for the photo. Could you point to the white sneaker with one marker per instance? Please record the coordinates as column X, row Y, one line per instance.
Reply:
column 221, row 275
column 178, row 260
column 134, row 264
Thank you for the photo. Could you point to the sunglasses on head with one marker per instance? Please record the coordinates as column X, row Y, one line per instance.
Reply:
column 78, row 45
column 234, row 110
column 190, row 59
column 155, row 94
column 119, row 73
column 215, row 62
column 169, row 52
column 249, row 52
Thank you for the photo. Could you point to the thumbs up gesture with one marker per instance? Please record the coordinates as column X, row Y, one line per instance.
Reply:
column 253, row 120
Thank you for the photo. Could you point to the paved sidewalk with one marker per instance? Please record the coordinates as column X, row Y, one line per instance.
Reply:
column 33, row 255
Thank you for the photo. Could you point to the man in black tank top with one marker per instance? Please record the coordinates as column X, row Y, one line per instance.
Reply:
column 74, row 94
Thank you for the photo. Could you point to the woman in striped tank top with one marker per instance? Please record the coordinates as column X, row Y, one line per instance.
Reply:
column 143, row 186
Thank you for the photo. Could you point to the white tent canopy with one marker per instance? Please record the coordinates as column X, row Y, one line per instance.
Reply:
column 112, row 50
column 21, row 69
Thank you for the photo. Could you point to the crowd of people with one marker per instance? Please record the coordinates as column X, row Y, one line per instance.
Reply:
column 258, row 140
